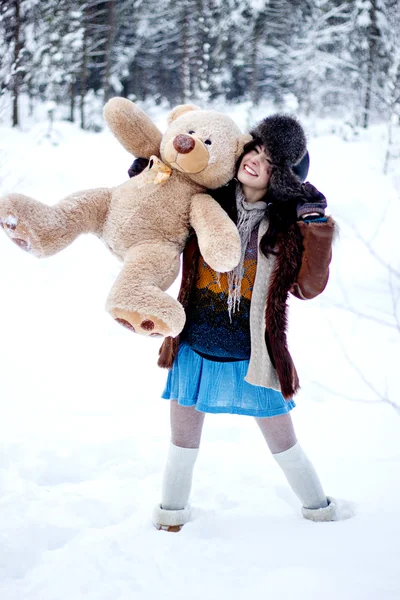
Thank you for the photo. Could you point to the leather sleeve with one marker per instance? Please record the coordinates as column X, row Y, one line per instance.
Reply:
column 316, row 257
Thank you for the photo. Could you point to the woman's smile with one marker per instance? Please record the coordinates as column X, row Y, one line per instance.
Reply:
column 250, row 171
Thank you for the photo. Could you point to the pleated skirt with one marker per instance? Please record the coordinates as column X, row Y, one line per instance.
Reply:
column 219, row 387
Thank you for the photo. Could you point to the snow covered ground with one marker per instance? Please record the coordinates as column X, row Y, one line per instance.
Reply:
column 84, row 434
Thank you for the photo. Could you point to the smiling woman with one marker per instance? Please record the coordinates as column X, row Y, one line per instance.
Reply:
column 232, row 355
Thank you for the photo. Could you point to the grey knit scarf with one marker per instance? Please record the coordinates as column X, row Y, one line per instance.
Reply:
column 249, row 216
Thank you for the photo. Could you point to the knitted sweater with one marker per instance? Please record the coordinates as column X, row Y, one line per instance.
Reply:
column 209, row 329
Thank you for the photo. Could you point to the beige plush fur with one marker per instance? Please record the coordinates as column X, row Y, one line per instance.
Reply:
column 145, row 221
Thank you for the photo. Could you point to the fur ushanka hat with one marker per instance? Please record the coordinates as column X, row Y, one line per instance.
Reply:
column 284, row 140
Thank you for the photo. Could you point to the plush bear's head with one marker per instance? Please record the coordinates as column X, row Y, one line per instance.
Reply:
column 204, row 144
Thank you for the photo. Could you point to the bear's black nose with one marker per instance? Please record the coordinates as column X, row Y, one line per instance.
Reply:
column 183, row 143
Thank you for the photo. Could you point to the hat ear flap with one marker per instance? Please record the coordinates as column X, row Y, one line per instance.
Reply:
column 302, row 167
column 180, row 110
column 284, row 185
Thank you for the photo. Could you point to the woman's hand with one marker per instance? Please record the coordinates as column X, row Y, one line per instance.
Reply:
column 311, row 203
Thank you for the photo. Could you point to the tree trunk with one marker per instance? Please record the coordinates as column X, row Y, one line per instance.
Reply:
column 259, row 32
column 72, row 101
column 254, row 90
column 83, row 75
column 367, row 103
column 30, row 96
column 111, row 26
column 17, row 51
column 389, row 144
column 372, row 37
column 185, row 76
column 393, row 101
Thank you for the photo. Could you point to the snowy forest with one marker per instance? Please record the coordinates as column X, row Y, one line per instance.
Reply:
column 333, row 56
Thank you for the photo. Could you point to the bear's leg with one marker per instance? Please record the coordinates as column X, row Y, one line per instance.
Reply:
column 44, row 230
column 138, row 301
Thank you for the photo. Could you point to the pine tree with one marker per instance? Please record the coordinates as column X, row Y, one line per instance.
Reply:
column 391, row 88
column 15, row 18
column 367, row 47
column 314, row 60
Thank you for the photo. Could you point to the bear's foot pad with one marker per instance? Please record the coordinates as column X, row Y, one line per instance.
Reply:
column 16, row 232
column 148, row 326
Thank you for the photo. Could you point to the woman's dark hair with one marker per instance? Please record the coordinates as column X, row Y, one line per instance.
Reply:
column 281, row 216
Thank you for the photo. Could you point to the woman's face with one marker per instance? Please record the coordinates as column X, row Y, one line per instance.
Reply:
column 255, row 169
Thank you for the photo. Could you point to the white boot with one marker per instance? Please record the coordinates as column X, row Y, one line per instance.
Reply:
column 170, row 520
column 302, row 477
column 337, row 510
column 174, row 511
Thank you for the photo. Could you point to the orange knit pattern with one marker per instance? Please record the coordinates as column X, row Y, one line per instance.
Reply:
column 208, row 279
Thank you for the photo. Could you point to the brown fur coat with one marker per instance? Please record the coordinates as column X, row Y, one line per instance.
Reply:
column 302, row 268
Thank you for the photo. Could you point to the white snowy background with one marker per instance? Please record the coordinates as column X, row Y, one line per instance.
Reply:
column 84, row 433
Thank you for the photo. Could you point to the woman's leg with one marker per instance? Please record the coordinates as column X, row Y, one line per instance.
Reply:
column 280, row 436
column 186, row 425
column 186, row 428
column 278, row 432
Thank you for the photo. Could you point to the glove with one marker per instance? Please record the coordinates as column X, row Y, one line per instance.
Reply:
column 311, row 203
column 138, row 165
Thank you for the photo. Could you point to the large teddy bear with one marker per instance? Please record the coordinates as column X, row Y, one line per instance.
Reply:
column 146, row 221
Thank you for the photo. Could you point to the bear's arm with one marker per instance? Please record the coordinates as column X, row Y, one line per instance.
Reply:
column 218, row 237
column 132, row 127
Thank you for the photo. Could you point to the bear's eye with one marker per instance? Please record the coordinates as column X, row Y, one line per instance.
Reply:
column 191, row 131
column 208, row 142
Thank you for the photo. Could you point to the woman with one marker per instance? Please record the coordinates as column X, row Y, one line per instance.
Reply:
column 232, row 355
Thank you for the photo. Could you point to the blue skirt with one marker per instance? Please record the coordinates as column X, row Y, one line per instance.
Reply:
column 219, row 387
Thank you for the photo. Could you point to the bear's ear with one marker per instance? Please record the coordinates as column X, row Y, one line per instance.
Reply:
column 244, row 139
column 180, row 110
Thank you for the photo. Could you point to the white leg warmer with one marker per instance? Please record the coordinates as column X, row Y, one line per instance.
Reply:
column 177, row 481
column 302, row 477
